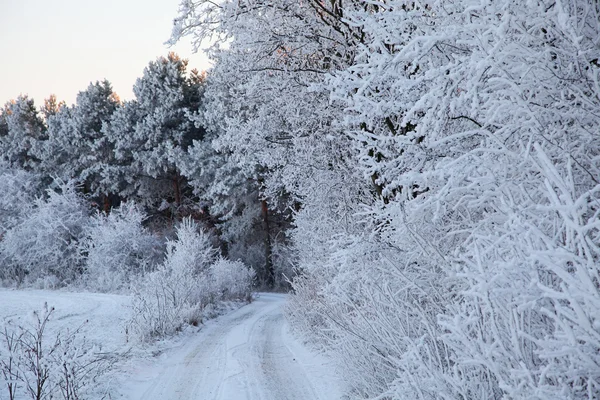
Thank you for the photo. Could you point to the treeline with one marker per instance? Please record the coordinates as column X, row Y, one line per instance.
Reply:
column 60, row 162
column 441, row 162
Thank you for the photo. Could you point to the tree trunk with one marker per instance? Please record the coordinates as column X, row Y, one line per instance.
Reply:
column 269, row 271
column 106, row 203
column 177, row 189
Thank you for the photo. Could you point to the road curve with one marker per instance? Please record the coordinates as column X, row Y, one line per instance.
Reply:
column 247, row 354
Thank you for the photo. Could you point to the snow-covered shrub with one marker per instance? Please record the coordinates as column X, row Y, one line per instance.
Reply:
column 304, row 310
column 474, row 121
column 17, row 197
column 527, row 323
column 179, row 288
column 42, row 248
column 375, row 312
column 253, row 254
column 232, row 279
column 117, row 249
column 42, row 365
column 19, row 189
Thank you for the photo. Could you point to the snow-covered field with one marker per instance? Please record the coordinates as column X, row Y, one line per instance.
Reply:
column 101, row 316
column 246, row 354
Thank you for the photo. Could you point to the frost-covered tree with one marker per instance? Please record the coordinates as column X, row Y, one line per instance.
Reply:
column 51, row 106
column 117, row 249
column 248, row 228
column 153, row 132
column 443, row 159
column 77, row 147
column 21, row 131
column 116, row 176
column 271, row 124
column 19, row 190
column 3, row 123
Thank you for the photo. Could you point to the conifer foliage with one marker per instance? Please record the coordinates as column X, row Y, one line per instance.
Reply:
column 154, row 131
column 21, row 132
column 76, row 146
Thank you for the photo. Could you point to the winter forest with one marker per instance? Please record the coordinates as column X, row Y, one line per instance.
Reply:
column 422, row 177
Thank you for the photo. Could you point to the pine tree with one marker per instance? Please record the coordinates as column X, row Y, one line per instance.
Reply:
column 77, row 147
column 51, row 106
column 21, row 131
column 153, row 132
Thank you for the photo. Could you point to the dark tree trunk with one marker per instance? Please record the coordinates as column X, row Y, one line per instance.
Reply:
column 106, row 203
column 177, row 189
column 269, row 271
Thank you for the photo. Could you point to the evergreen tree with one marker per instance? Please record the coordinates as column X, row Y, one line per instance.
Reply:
column 21, row 131
column 77, row 147
column 51, row 106
column 153, row 132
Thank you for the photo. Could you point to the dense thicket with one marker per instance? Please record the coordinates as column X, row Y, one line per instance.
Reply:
column 441, row 161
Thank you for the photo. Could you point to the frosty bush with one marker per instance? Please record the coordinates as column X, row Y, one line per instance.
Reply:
column 19, row 189
column 190, row 279
column 38, row 365
column 42, row 248
column 17, row 197
column 376, row 314
column 117, row 248
column 179, row 288
column 489, row 168
column 232, row 279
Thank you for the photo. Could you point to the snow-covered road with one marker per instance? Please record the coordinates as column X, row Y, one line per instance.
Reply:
column 247, row 354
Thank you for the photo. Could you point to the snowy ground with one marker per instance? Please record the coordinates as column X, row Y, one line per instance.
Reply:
column 246, row 354
column 102, row 316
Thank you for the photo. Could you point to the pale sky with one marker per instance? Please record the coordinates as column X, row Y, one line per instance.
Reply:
column 60, row 46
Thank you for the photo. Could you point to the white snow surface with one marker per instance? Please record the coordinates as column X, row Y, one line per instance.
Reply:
column 248, row 353
column 102, row 317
